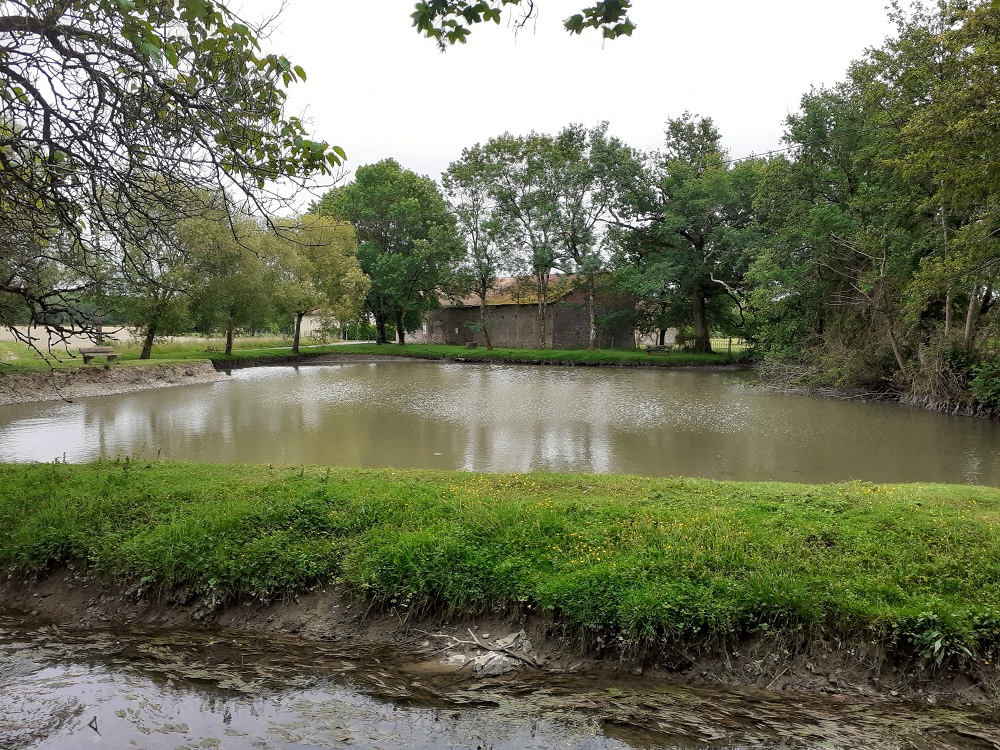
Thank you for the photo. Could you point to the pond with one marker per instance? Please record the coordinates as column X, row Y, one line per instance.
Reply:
column 507, row 418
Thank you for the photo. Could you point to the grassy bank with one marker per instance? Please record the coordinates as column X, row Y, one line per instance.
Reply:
column 15, row 357
column 645, row 560
column 598, row 357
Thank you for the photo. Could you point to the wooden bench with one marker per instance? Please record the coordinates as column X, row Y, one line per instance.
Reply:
column 665, row 349
column 89, row 352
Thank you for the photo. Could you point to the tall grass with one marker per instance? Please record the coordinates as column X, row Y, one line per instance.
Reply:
column 642, row 559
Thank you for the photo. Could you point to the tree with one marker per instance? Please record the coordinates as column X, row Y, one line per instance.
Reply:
column 101, row 101
column 516, row 168
column 238, row 272
column 407, row 241
column 450, row 21
column 953, row 137
column 154, row 292
column 687, row 223
column 488, row 247
column 875, row 239
column 586, row 169
column 317, row 270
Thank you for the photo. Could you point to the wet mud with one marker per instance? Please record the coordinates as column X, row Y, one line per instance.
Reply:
column 144, row 688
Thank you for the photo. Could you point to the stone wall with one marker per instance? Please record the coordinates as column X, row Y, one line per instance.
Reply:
column 516, row 326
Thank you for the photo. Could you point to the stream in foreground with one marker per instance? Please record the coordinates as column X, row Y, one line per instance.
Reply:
column 129, row 688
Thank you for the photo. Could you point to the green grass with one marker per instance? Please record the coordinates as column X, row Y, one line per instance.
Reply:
column 915, row 567
column 617, row 357
column 15, row 357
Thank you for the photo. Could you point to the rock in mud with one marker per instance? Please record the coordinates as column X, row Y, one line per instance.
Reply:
column 494, row 664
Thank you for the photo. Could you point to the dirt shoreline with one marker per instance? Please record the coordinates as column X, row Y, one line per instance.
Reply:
column 492, row 644
column 95, row 380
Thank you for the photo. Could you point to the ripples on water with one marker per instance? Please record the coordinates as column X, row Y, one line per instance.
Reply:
column 513, row 418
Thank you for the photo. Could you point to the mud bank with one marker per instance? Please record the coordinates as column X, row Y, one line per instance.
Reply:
column 96, row 380
column 518, row 644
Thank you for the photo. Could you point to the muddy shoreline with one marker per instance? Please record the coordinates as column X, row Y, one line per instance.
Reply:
column 96, row 380
column 823, row 666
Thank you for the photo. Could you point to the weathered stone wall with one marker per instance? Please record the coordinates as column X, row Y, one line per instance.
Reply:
column 516, row 326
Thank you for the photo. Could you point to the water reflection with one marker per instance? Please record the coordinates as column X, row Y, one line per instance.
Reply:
column 508, row 418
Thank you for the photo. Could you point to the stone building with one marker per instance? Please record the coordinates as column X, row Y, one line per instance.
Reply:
column 512, row 318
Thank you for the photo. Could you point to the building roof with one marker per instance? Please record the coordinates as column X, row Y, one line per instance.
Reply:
column 513, row 290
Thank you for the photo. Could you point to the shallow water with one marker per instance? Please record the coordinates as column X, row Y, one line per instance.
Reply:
column 502, row 418
column 129, row 688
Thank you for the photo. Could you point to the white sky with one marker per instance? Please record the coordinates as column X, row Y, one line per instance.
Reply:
column 379, row 90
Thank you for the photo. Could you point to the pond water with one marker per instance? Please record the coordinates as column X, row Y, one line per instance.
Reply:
column 134, row 689
column 503, row 418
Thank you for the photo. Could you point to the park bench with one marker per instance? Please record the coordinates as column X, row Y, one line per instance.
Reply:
column 89, row 352
column 665, row 349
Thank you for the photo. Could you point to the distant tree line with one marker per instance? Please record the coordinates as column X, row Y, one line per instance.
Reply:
column 863, row 254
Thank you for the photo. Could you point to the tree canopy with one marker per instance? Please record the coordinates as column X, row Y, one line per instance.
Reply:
column 407, row 241
column 113, row 110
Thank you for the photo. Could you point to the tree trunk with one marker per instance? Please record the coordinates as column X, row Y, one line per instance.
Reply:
column 298, row 332
column 662, row 337
column 702, row 341
column 948, row 302
column 482, row 316
column 970, row 319
column 147, row 342
column 894, row 343
column 591, row 313
column 380, row 337
column 229, row 337
column 400, row 331
column 541, row 289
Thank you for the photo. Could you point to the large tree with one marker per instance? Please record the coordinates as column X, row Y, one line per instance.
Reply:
column 103, row 101
column 687, row 223
column 489, row 247
column 317, row 270
column 407, row 241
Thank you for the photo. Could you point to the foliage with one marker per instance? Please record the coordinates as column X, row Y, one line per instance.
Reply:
column 914, row 567
column 407, row 240
column 881, row 254
column 104, row 103
column 317, row 270
column 450, row 21
column 685, row 226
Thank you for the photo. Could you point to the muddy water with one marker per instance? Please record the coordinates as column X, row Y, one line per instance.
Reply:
column 508, row 418
column 126, row 688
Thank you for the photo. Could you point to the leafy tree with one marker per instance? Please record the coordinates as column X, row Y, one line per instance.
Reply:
column 880, row 223
column 488, row 247
column 686, row 225
column 239, row 273
column 407, row 241
column 317, row 270
column 450, row 21
column 518, row 168
column 586, row 170
column 154, row 295
column 99, row 97
column 953, row 137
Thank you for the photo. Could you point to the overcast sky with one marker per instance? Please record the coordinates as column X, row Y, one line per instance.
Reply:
column 377, row 89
